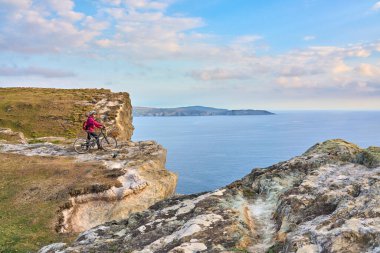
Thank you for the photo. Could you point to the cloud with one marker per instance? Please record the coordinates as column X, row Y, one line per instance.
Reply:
column 151, row 34
column 309, row 38
column 112, row 2
column 65, row 9
column 138, row 29
column 48, row 26
column 143, row 32
column 368, row 70
column 34, row 71
column 15, row 3
column 246, row 39
column 312, row 68
column 147, row 4
column 220, row 74
column 376, row 7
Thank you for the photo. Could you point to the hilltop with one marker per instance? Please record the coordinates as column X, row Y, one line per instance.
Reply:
column 41, row 112
column 193, row 111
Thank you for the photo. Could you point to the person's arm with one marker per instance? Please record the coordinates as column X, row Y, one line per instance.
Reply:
column 97, row 124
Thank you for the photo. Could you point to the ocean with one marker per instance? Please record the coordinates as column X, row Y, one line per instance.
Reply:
column 211, row 152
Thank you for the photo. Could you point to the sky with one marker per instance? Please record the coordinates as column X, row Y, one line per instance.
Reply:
column 241, row 54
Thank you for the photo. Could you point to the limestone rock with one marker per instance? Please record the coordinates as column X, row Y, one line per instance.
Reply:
column 326, row 200
column 9, row 136
column 140, row 170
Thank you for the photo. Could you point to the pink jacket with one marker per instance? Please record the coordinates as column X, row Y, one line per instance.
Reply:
column 91, row 123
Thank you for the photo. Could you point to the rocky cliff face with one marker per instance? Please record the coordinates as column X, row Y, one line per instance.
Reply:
column 326, row 200
column 116, row 112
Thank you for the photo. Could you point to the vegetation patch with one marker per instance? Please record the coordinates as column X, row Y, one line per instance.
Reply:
column 39, row 112
column 32, row 191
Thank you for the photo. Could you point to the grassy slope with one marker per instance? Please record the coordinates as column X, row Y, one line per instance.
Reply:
column 41, row 112
column 31, row 191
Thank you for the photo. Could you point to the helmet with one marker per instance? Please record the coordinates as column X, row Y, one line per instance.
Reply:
column 91, row 113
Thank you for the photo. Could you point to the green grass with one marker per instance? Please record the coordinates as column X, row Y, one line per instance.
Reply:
column 31, row 191
column 39, row 112
column 239, row 250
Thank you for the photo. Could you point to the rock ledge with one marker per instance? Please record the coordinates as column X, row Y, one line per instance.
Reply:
column 326, row 200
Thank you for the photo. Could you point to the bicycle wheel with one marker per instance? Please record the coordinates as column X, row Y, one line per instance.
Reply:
column 81, row 146
column 108, row 142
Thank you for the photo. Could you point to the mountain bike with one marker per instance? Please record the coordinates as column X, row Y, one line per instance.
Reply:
column 83, row 145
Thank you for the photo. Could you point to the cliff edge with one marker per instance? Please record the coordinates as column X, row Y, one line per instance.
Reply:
column 49, row 192
column 41, row 112
column 326, row 200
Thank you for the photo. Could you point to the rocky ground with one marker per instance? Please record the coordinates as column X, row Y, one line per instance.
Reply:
column 126, row 180
column 141, row 172
column 326, row 200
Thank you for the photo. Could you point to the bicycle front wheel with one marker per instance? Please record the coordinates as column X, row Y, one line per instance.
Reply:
column 108, row 142
column 81, row 146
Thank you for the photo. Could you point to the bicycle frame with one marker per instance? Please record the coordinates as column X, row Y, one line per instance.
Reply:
column 102, row 134
column 83, row 145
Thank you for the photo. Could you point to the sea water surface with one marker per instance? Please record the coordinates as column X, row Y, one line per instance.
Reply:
column 211, row 152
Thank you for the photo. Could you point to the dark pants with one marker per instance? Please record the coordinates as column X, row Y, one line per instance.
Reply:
column 89, row 134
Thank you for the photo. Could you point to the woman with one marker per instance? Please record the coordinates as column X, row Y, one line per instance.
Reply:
column 90, row 125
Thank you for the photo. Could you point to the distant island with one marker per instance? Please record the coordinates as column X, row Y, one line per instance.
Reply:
column 193, row 111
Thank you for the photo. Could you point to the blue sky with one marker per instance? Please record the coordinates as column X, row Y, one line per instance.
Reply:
column 264, row 54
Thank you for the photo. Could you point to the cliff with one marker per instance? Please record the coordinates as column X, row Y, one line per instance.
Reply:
column 50, row 193
column 39, row 112
column 62, row 193
column 326, row 200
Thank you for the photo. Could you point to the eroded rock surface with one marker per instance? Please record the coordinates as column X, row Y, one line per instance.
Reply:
column 7, row 135
column 326, row 200
column 139, row 167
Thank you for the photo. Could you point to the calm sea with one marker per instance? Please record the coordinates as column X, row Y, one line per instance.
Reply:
column 210, row 152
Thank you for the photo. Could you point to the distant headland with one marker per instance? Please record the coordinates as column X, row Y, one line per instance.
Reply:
column 193, row 111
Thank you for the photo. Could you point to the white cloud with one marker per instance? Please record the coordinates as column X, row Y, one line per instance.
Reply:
column 220, row 74
column 309, row 38
column 147, row 4
column 290, row 82
column 368, row 70
column 16, row 3
column 65, row 9
column 340, row 67
column 376, row 7
column 113, row 2
column 142, row 31
column 48, row 26
column 34, row 71
column 311, row 68
column 246, row 39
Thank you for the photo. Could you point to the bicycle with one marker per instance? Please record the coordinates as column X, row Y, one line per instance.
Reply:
column 83, row 145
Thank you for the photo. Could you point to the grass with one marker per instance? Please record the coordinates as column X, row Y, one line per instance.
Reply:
column 39, row 112
column 31, row 191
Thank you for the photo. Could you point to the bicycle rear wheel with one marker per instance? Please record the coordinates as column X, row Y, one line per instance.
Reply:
column 81, row 146
column 108, row 142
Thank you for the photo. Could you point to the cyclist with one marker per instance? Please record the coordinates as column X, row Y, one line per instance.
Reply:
column 90, row 125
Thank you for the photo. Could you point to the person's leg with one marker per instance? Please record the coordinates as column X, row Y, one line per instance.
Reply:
column 88, row 138
column 97, row 139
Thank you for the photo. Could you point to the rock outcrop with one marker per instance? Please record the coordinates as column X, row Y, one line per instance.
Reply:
column 326, row 200
column 7, row 135
column 41, row 112
column 139, row 167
